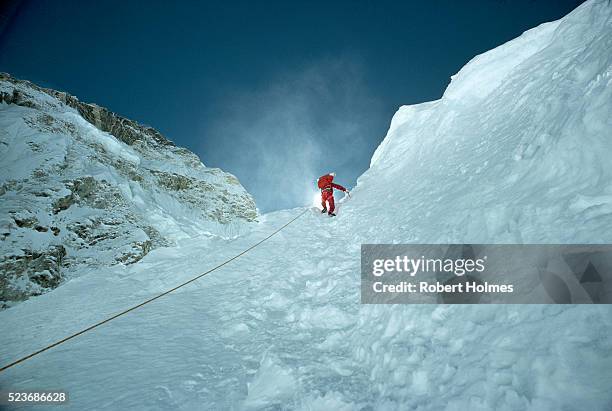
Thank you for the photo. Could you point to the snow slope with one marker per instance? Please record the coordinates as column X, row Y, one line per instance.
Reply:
column 517, row 150
column 81, row 187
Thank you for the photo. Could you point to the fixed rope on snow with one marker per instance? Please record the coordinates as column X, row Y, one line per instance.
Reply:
column 91, row 327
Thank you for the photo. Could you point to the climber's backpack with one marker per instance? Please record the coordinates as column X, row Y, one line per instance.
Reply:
column 325, row 181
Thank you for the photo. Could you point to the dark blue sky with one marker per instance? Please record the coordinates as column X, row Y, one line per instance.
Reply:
column 276, row 92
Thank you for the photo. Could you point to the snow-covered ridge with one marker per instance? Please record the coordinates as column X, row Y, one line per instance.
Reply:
column 83, row 187
column 518, row 148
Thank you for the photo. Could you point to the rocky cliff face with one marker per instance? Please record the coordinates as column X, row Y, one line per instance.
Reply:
column 82, row 187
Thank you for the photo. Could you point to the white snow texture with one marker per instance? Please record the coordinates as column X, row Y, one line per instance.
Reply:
column 516, row 151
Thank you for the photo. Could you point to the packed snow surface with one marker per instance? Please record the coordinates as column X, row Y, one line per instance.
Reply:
column 517, row 151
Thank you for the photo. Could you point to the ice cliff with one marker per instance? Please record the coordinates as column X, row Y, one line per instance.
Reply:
column 517, row 150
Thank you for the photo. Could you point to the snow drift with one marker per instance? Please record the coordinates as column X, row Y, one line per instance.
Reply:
column 517, row 150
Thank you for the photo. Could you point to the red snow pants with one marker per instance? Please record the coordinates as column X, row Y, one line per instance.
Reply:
column 327, row 196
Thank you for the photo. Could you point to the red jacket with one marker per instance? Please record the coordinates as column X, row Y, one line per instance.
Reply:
column 326, row 183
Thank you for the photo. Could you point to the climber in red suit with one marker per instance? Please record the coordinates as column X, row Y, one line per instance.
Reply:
column 327, row 186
